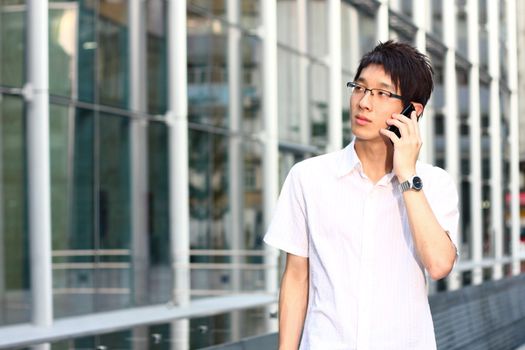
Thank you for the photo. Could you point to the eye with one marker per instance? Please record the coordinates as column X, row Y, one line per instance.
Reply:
column 359, row 88
column 383, row 93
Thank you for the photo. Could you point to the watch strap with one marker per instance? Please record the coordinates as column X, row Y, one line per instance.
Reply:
column 405, row 186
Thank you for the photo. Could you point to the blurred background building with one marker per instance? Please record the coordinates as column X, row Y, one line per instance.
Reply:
column 144, row 174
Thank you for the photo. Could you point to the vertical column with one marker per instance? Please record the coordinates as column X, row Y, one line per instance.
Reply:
column 139, row 160
column 335, row 110
column 496, row 202
column 2, row 243
column 512, row 66
column 2, row 199
column 235, row 154
column 425, row 127
column 302, row 34
column 382, row 25
column 355, row 50
column 475, row 141
column 395, row 5
column 139, row 154
column 451, row 108
column 38, row 163
column 177, row 119
column 428, row 15
column 271, row 142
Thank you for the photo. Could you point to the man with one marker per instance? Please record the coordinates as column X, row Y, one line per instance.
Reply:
column 362, row 225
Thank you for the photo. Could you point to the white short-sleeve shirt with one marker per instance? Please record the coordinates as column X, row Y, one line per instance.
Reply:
column 367, row 284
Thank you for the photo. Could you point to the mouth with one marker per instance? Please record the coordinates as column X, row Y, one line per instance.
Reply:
column 362, row 120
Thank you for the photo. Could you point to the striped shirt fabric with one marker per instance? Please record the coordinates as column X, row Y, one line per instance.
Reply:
column 367, row 284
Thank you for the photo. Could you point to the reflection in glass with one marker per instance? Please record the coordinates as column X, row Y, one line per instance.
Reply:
column 214, row 7
column 287, row 23
column 12, row 48
column 317, row 28
column 159, row 274
column 112, row 53
column 156, row 56
column 14, row 245
column 289, row 99
column 437, row 18
column 483, row 35
column 63, row 19
column 318, row 106
column 461, row 29
column 487, row 230
column 208, row 90
column 367, row 33
column 204, row 332
column 72, row 209
column 211, row 213
column 250, row 13
column 87, row 52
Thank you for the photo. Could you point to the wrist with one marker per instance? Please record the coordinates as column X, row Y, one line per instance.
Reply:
column 406, row 175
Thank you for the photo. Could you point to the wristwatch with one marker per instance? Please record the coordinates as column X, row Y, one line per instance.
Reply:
column 414, row 183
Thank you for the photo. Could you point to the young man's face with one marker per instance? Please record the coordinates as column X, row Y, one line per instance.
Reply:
column 369, row 113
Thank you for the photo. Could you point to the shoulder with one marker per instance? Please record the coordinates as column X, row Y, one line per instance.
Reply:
column 322, row 165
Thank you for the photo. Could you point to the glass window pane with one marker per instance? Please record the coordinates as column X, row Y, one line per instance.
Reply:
column 87, row 51
column 215, row 7
column 159, row 267
column 437, row 18
column 157, row 72
column 73, row 209
column 12, row 48
column 317, row 28
column 63, row 49
column 289, row 98
column 112, row 53
column 15, row 298
column 318, row 106
column 250, row 13
column 208, row 76
column 367, row 33
column 114, row 182
column 287, row 23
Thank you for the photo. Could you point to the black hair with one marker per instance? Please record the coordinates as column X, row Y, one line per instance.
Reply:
column 409, row 69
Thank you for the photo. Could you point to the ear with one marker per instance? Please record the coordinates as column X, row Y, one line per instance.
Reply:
column 419, row 108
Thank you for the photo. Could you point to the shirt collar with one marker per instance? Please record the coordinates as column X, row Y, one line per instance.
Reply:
column 350, row 162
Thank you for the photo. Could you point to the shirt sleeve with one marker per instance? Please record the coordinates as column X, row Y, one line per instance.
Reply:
column 445, row 205
column 288, row 229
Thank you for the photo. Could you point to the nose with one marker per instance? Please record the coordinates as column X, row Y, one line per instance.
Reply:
column 366, row 100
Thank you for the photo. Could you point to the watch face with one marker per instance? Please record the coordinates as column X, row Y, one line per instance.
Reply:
column 417, row 183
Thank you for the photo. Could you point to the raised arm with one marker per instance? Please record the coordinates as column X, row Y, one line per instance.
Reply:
column 433, row 244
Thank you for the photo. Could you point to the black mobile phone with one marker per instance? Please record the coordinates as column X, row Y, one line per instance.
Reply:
column 406, row 111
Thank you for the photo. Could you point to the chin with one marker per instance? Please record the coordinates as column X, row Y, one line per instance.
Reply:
column 368, row 136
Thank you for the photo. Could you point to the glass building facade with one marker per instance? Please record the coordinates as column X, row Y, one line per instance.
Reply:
column 171, row 127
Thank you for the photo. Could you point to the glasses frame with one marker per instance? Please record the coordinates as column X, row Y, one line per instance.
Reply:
column 353, row 85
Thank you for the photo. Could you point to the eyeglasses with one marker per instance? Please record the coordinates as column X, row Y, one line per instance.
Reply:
column 377, row 94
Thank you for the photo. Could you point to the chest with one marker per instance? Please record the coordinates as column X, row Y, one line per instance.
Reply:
column 359, row 216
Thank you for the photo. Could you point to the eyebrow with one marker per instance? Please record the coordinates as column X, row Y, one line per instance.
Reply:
column 382, row 85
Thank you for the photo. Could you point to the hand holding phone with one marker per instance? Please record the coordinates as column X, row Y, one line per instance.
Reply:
column 407, row 111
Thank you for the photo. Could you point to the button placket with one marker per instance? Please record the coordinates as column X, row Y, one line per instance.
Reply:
column 367, row 246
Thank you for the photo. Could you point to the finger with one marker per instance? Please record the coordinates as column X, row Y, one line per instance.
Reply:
column 390, row 134
column 409, row 121
column 403, row 127
column 415, row 119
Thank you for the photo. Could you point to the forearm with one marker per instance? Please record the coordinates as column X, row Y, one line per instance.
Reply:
column 293, row 301
column 433, row 245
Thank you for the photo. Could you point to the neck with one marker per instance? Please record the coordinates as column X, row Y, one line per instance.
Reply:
column 376, row 157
